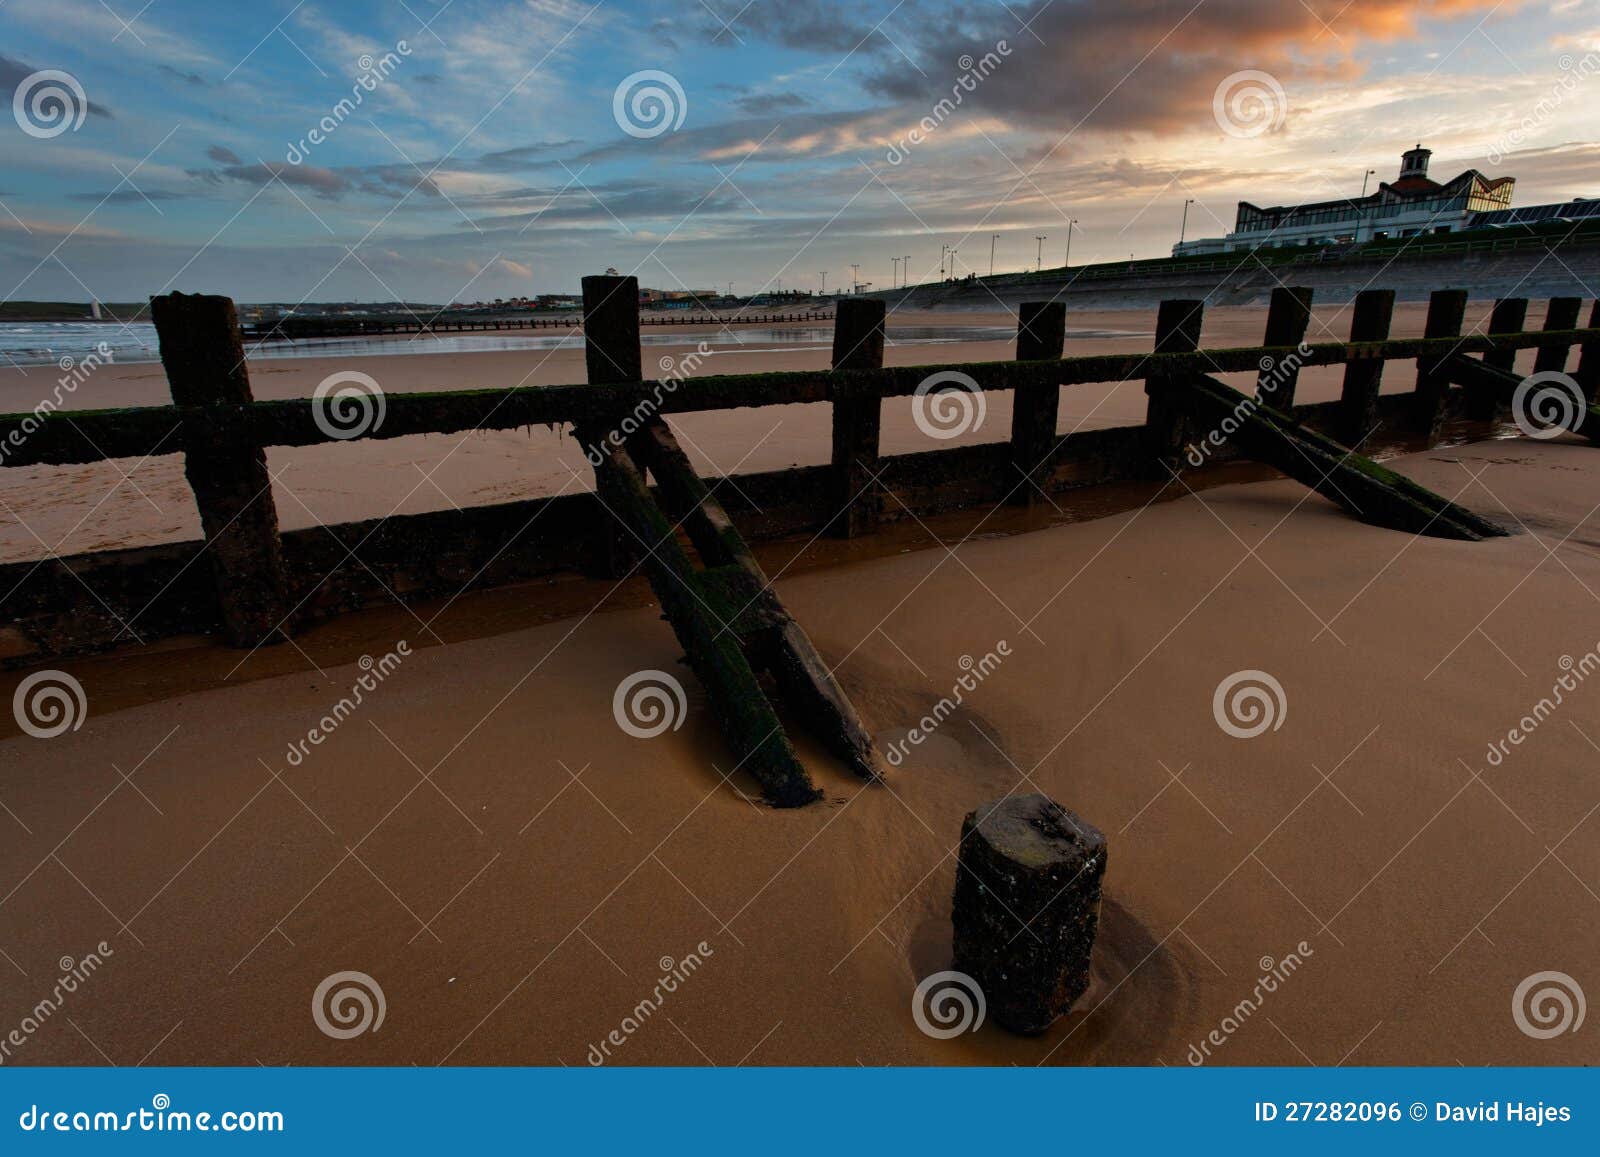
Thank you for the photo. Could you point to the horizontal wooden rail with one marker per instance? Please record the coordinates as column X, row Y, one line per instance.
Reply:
column 79, row 436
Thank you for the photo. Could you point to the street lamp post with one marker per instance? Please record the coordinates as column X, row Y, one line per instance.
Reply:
column 992, row 239
column 823, row 292
column 1184, row 228
column 1365, row 177
column 1068, row 259
column 894, row 277
column 1039, row 260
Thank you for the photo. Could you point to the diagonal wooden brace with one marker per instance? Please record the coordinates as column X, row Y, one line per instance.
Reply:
column 1470, row 372
column 715, row 653
column 1371, row 492
column 776, row 642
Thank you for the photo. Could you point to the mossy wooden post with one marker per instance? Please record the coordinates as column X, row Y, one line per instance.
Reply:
column 202, row 352
column 1363, row 377
column 1588, row 374
column 1562, row 313
column 1447, row 308
column 610, row 354
column 1041, row 336
column 1288, row 318
column 857, row 418
column 1166, row 416
column 1510, row 315
column 1026, row 908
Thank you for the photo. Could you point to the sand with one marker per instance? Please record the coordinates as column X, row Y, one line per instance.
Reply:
column 69, row 509
column 516, row 872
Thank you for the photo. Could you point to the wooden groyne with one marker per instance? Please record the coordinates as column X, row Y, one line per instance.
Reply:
column 304, row 328
column 247, row 580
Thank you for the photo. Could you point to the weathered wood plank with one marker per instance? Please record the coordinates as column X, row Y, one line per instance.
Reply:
column 1041, row 336
column 203, row 355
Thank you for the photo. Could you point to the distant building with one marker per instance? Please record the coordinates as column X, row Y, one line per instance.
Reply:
column 1412, row 204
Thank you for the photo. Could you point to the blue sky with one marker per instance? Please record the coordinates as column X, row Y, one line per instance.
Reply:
column 488, row 158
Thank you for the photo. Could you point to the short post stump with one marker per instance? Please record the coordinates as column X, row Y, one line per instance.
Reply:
column 1027, row 904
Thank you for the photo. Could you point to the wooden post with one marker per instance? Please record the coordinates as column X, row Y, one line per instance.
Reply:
column 1041, row 336
column 857, row 418
column 611, row 354
column 1562, row 313
column 1510, row 315
column 1177, row 331
column 1288, row 318
column 1588, row 374
column 1026, row 908
column 202, row 352
column 1447, row 308
column 1363, row 377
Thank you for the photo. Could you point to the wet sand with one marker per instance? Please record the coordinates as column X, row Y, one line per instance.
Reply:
column 516, row 872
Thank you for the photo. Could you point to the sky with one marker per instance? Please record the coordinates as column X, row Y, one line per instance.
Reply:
column 438, row 150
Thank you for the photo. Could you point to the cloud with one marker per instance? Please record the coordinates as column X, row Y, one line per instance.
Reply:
column 766, row 103
column 14, row 72
column 1119, row 65
column 189, row 78
column 223, row 155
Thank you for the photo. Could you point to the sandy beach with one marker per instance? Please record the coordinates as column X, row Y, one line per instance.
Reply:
column 71, row 509
column 518, row 873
